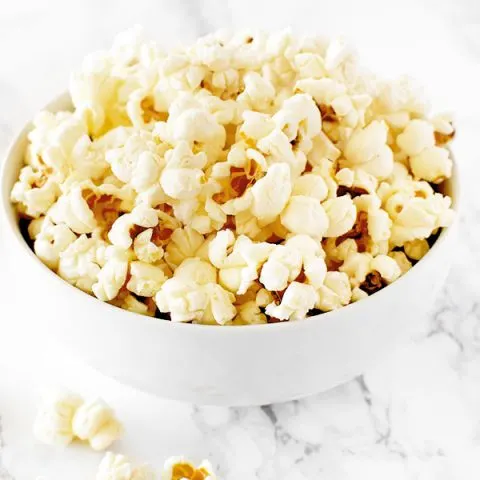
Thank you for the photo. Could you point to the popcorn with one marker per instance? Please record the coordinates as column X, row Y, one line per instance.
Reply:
column 358, row 294
column 312, row 253
column 258, row 93
column 337, row 251
column 141, row 215
column 145, row 250
column 138, row 162
column 315, row 271
column 417, row 136
column 64, row 416
column 271, row 193
column 189, row 121
column 219, row 247
column 249, row 313
column 419, row 217
column 402, row 261
column 178, row 468
column 53, row 423
column 118, row 467
column 238, row 260
column 300, row 120
column 277, row 148
column 388, row 269
column 263, row 297
column 355, row 182
column 359, row 266
column 325, row 168
column 248, row 178
column 309, row 65
column 379, row 225
column 307, row 247
column 337, row 51
column 55, row 140
column 51, row 241
column 196, row 270
column 225, row 83
column 110, row 279
column 297, row 300
column 145, row 280
column 184, row 243
column 183, row 177
column 193, row 295
column 323, row 90
column 73, row 210
column 95, row 422
column 400, row 95
column 373, row 226
column 282, row 267
column 79, row 263
column 310, row 185
column 416, row 249
column 367, row 149
column 305, row 215
column 443, row 126
column 184, row 300
column 341, row 213
column 322, row 148
column 220, row 304
column 181, row 183
column 255, row 126
column 432, row 164
column 132, row 304
column 334, row 293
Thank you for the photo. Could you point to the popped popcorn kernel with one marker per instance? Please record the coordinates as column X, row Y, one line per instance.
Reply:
column 432, row 164
column 305, row 215
column 95, row 422
column 417, row 136
column 342, row 213
column 118, row 467
column 402, row 261
column 65, row 416
column 334, row 293
column 367, row 149
column 296, row 301
column 178, row 468
column 145, row 279
column 53, row 423
column 247, row 178
column 416, row 249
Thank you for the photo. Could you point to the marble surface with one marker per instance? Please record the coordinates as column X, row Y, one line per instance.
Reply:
column 415, row 416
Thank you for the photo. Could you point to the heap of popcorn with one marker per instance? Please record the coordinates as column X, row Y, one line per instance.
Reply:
column 247, row 178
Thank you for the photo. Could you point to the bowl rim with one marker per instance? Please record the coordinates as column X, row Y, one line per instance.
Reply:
column 9, row 217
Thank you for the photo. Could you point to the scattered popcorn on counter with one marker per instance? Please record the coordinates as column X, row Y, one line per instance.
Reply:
column 53, row 423
column 178, row 468
column 64, row 416
column 118, row 467
column 249, row 178
column 95, row 422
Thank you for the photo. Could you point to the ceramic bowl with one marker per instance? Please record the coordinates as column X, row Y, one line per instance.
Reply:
column 247, row 365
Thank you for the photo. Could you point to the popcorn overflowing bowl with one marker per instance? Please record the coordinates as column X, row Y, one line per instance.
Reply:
column 240, row 200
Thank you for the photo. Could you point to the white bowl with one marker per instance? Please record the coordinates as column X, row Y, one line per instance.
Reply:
column 250, row 365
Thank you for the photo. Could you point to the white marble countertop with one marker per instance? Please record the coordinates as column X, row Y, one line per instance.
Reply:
column 416, row 416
